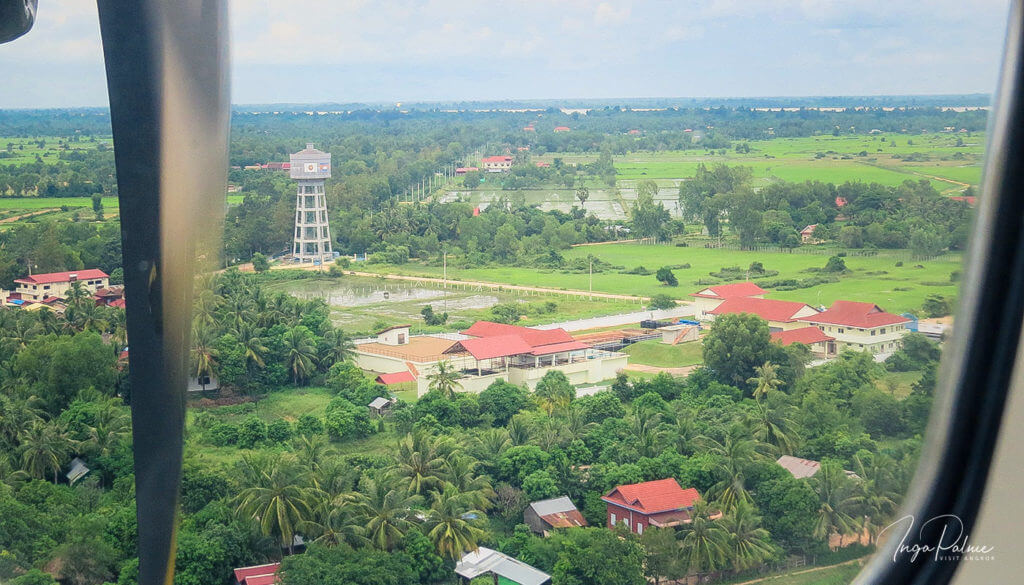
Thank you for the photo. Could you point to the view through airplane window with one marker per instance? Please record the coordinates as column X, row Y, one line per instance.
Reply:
column 510, row 293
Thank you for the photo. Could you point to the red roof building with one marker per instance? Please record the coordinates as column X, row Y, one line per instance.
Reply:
column 494, row 341
column 709, row 298
column 820, row 343
column 968, row 199
column 464, row 170
column 69, row 276
column 561, row 128
column 776, row 313
column 258, row 575
column 861, row 326
column 39, row 287
column 634, row 132
column 497, row 164
column 529, row 129
column 653, row 503
column 395, row 378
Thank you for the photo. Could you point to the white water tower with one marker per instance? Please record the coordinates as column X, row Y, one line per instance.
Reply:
column 311, row 168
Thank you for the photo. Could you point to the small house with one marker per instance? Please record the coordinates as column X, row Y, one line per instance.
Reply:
column 78, row 471
column 258, row 575
column 544, row 516
column 380, row 405
column 820, row 343
column 679, row 333
column 503, row 568
column 657, row 503
column 804, row 468
column 709, row 298
column 807, row 235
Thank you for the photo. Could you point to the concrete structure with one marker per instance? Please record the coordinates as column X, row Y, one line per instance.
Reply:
column 821, row 344
column 497, row 164
column 394, row 335
column 861, row 327
column 502, row 567
column 487, row 352
column 780, row 315
column 544, row 516
column 39, row 287
column 312, row 242
column 707, row 299
column 657, row 503
column 674, row 334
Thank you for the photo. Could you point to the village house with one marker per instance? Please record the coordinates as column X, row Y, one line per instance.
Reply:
column 487, row 352
column 807, row 235
column 497, row 164
column 380, row 406
column 38, row 287
column 861, row 327
column 459, row 171
column 820, row 343
column 258, row 575
column 502, row 568
column 780, row 315
column 544, row 516
column 657, row 503
column 561, row 128
column 709, row 298
column 109, row 297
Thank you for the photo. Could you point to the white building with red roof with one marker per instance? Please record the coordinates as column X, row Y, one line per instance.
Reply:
column 39, row 287
column 497, row 164
column 707, row 299
column 780, row 315
column 657, row 503
column 861, row 327
column 820, row 343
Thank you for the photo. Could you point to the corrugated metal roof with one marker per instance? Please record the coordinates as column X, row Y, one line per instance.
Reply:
column 854, row 314
column 807, row 335
column 552, row 506
column 725, row 291
column 767, row 309
column 52, row 277
column 485, row 560
column 484, row 348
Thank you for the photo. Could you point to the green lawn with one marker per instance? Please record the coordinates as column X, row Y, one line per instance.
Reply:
column 874, row 279
column 835, row 575
column 899, row 383
column 655, row 353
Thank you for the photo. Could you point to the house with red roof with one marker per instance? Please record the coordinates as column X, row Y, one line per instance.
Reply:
column 657, row 503
column 861, row 327
column 258, row 575
column 497, row 164
column 780, row 315
column 459, row 171
column 707, row 299
column 561, row 128
column 39, row 287
column 820, row 343
column 807, row 235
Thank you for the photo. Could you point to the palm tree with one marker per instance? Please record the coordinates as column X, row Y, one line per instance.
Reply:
column 873, row 494
column 680, row 431
column 421, row 462
column 111, row 424
column 253, row 345
column 452, row 523
column 338, row 347
column 337, row 522
column 554, row 392
column 279, row 500
column 8, row 474
column 704, row 542
column 311, row 451
column 748, row 543
column 385, row 512
column 519, row 430
column 204, row 354
column 445, row 379
column 735, row 454
column 765, row 380
column 491, row 444
column 20, row 333
column 645, row 433
column 44, row 448
column 300, row 352
column 833, row 489
column 461, row 471
column 774, row 425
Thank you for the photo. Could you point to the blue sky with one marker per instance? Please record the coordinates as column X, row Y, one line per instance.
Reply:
column 385, row 51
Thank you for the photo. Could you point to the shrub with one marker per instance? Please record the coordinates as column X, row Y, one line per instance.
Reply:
column 666, row 277
column 223, row 434
column 662, row 301
column 251, row 432
column 279, row 431
column 309, row 425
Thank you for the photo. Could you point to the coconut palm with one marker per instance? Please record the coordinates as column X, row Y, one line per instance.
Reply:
column 519, row 430
column 278, row 498
column 9, row 474
column 489, row 445
column 204, row 354
column 337, row 347
column 735, row 453
column 766, row 379
column 111, row 424
column 835, row 501
column 461, row 471
column 749, row 544
column 337, row 522
column 311, row 451
column 704, row 542
column 445, row 379
column 774, row 425
column 452, row 524
column 252, row 344
column 873, row 493
column 385, row 513
column 421, row 462
column 554, row 392
column 19, row 333
column 300, row 353
column 680, row 430
column 44, row 448
column 645, row 433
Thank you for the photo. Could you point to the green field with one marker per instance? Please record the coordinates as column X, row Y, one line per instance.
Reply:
column 874, row 279
column 655, row 353
column 26, row 149
column 834, row 575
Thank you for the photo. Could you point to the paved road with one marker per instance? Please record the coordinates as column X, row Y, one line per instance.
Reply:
column 622, row 319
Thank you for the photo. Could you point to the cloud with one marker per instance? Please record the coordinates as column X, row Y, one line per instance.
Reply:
column 606, row 14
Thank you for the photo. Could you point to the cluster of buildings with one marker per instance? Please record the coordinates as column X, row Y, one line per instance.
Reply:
column 845, row 325
column 50, row 290
column 484, row 353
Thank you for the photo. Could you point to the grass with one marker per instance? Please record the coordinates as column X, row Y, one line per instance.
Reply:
column 26, row 149
column 874, row 279
column 655, row 353
column 899, row 383
column 835, row 575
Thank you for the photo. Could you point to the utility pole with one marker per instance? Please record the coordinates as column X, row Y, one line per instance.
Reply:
column 444, row 273
column 591, row 280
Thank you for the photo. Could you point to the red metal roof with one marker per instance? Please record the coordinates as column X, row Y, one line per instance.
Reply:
column 809, row 230
column 485, row 348
column 651, row 497
column 561, row 128
column 263, row 579
column 767, row 309
column 854, row 314
column 725, row 291
column 243, row 573
column 559, row 347
column 969, row 199
column 534, row 337
column 806, row 335
column 566, row 519
column 396, row 378
column 118, row 303
column 497, row 159
column 52, row 277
